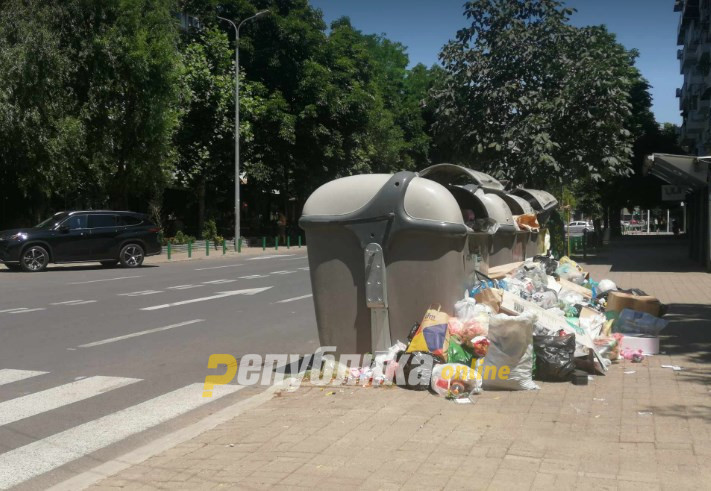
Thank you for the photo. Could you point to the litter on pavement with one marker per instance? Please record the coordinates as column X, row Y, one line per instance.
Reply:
column 541, row 320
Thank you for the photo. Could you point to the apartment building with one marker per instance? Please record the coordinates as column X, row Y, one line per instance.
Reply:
column 694, row 34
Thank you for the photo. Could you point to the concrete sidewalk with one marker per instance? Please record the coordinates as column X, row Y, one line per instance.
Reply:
column 640, row 427
column 198, row 253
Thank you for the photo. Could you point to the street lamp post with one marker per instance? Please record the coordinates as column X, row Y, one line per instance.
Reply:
column 237, row 27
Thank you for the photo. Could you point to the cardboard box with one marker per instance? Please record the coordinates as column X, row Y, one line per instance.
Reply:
column 498, row 272
column 618, row 301
column 648, row 344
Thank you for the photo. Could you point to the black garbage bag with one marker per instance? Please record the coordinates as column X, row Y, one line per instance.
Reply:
column 555, row 357
column 416, row 370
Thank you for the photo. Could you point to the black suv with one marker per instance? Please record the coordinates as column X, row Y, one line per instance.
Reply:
column 109, row 237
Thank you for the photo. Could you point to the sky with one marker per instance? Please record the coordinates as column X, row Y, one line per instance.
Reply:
column 424, row 26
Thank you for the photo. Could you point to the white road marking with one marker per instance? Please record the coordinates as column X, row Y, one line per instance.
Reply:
column 141, row 293
column 12, row 310
column 219, row 267
column 295, row 298
column 218, row 282
column 252, row 276
column 74, row 302
column 36, row 458
column 304, row 269
column 27, row 310
column 268, row 257
column 46, row 400
column 105, row 279
column 252, row 291
column 183, row 287
column 282, row 272
column 9, row 375
column 140, row 333
column 164, row 443
column 295, row 258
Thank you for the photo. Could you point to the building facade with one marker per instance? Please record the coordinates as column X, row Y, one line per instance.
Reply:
column 694, row 35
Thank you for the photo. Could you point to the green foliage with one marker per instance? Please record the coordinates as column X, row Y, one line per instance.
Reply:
column 111, row 104
column 88, row 97
column 179, row 239
column 209, row 230
column 532, row 99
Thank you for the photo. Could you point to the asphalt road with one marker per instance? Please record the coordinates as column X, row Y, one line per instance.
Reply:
column 94, row 362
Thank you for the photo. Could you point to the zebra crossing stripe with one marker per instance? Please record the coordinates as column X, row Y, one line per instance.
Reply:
column 46, row 400
column 8, row 375
column 36, row 458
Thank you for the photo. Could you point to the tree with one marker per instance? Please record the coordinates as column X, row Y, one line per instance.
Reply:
column 205, row 138
column 532, row 99
column 130, row 75
column 41, row 136
column 88, row 101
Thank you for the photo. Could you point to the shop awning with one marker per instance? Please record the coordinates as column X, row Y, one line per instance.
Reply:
column 680, row 170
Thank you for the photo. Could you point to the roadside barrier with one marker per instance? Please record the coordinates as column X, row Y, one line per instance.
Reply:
column 188, row 248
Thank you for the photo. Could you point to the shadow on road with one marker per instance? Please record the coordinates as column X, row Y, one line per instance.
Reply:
column 82, row 267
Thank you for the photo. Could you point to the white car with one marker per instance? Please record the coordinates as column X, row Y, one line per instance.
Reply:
column 577, row 228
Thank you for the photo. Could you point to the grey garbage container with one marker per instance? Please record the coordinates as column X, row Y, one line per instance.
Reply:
column 382, row 249
column 544, row 204
column 525, row 239
column 494, row 229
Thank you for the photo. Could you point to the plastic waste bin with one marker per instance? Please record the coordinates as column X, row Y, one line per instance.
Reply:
column 494, row 229
column 522, row 246
column 382, row 249
column 544, row 204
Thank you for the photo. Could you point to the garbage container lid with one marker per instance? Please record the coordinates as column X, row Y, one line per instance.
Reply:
column 424, row 199
column 518, row 205
column 498, row 209
column 459, row 175
column 539, row 200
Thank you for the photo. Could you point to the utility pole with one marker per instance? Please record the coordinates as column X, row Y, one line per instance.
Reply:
column 237, row 200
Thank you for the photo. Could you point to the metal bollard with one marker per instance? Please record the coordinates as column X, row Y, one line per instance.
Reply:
column 299, row 242
column 264, row 243
column 224, row 247
column 239, row 245
column 168, row 251
column 276, row 243
column 207, row 247
column 288, row 242
column 190, row 249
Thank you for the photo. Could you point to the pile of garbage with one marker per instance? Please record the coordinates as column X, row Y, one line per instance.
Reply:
column 540, row 320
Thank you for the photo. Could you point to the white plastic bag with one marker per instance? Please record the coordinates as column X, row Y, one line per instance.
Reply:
column 606, row 286
column 569, row 297
column 509, row 363
column 545, row 299
column 465, row 309
column 472, row 319
column 455, row 380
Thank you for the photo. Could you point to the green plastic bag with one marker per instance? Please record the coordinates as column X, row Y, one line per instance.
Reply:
column 457, row 353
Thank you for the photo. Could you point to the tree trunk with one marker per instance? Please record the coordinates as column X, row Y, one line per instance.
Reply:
column 615, row 226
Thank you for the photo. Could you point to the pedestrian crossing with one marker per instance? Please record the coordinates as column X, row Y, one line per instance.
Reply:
column 8, row 375
column 26, row 462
